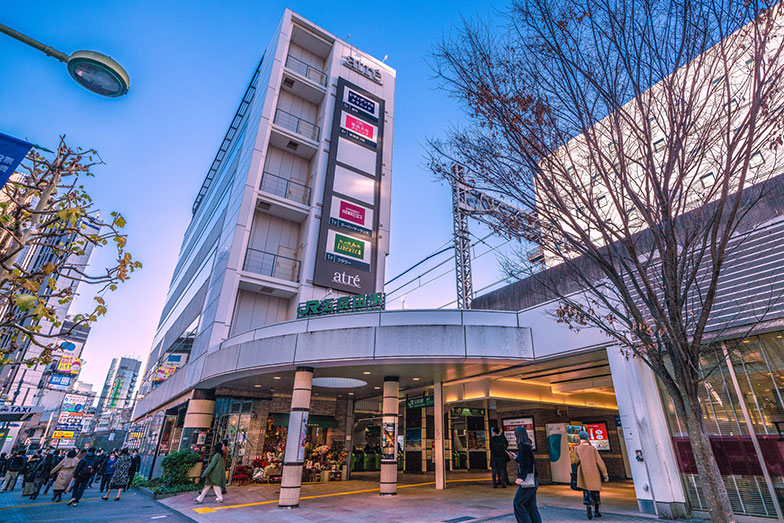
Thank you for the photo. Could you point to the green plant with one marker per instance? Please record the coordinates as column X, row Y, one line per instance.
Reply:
column 176, row 467
column 139, row 481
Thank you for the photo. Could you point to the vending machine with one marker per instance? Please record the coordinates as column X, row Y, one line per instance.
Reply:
column 558, row 452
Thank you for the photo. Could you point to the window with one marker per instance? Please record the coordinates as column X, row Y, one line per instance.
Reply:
column 750, row 63
column 658, row 145
column 570, row 171
column 732, row 105
column 717, row 83
column 653, row 123
column 756, row 159
column 602, row 202
column 611, row 147
column 707, row 180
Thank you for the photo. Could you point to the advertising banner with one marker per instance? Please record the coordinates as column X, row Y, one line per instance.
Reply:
column 389, row 442
column 69, row 365
column 351, row 216
column 70, row 418
column 60, row 381
column 509, row 425
column 346, row 256
column 63, row 434
column 12, row 152
column 598, row 437
column 74, row 403
column 347, row 250
column 163, row 373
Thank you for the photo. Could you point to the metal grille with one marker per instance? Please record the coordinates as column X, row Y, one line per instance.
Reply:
column 308, row 71
column 748, row 495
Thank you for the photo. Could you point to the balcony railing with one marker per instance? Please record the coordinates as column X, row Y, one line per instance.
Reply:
column 296, row 124
column 273, row 265
column 306, row 70
column 285, row 188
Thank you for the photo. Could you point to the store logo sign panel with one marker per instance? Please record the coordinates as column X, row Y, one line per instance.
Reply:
column 351, row 216
column 355, row 102
column 349, row 251
column 359, row 130
column 357, row 156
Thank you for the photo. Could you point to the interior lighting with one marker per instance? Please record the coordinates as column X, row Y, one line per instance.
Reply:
column 276, row 377
column 415, row 379
column 257, row 386
column 338, row 383
column 366, row 372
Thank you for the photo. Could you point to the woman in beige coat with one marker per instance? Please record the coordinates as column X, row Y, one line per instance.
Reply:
column 65, row 471
column 590, row 472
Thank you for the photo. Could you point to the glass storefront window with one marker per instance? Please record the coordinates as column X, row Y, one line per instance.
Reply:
column 758, row 364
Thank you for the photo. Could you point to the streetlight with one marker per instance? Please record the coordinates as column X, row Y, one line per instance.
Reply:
column 95, row 72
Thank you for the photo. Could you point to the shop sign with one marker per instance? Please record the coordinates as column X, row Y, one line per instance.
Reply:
column 468, row 411
column 63, row 434
column 358, row 130
column 328, row 306
column 70, row 418
column 355, row 64
column 13, row 150
column 69, row 365
column 74, row 403
column 358, row 104
column 421, row 401
column 163, row 373
column 351, row 216
column 346, row 250
column 509, row 425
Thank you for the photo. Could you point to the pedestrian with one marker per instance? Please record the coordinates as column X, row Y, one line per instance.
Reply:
column 214, row 475
column 28, row 474
column 590, row 472
column 525, row 509
column 42, row 473
column 136, row 463
column 119, row 478
column 15, row 466
column 498, row 458
column 101, row 459
column 106, row 469
column 3, row 466
column 226, row 461
column 63, row 473
column 82, row 474
column 57, row 457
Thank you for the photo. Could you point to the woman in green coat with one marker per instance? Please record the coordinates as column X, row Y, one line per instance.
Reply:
column 214, row 475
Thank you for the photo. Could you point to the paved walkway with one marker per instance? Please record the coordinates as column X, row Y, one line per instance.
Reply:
column 468, row 498
column 132, row 507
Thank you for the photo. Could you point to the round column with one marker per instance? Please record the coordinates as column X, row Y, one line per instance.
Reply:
column 294, row 457
column 198, row 417
column 389, row 410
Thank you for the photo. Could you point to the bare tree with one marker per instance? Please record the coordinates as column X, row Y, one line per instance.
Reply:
column 48, row 227
column 640, row 135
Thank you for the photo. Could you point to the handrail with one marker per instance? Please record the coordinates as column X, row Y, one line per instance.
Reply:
column 308, row 71
column 285, row 188
column 272, row 265
column 294, row 123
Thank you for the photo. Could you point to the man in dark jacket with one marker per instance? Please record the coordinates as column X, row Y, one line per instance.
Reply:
column 498, row 458
column 41, row 473
column 85, row 469
column 15, row 466
column 3, row 464
column 136, row 463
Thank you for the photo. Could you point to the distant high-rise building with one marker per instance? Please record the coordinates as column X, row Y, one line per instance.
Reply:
column 120, row 381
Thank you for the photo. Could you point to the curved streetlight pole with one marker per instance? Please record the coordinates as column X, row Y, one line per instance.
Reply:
column 94, row 71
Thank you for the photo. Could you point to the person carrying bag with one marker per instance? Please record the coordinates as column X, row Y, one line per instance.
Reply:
column 590, row 472
column 525, row 509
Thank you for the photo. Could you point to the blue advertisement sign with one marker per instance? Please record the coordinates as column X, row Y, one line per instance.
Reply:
column 60, row 381
column 12, row 152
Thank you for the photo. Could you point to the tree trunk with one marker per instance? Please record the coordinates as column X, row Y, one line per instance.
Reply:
column 713, row 488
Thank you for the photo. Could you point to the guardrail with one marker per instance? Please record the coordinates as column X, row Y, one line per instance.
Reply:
column 298, row 125
column 273, row 265
column 308, row 71
column 285, row 188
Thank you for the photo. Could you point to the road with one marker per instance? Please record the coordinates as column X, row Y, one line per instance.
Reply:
column 131, row 507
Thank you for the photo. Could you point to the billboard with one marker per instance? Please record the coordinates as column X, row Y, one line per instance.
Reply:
column 69, row 365
column 509, row 425
column 597, row 436
column 347, row 249
column 74, row 403
column 60, row 381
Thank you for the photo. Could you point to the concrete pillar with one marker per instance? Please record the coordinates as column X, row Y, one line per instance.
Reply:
column 389, row 412
column 657, row 482
column 448, row 449
column 294, row 456
column 198, row 418
column 424, row 439
column 487, row 433
column 349, row 437
column 438, row 419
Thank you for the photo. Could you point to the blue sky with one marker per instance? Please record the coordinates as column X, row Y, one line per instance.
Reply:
column 189, row 64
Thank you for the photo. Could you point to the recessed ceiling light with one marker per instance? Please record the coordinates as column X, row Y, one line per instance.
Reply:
column 276, row 377
column 415, row 379
column 366, row 372
column 376, row 388
column 779, row 336
column 746, row 341
column 257, row 386
column 350, row 393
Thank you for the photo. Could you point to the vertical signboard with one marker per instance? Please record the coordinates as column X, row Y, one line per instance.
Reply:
column 347, row 255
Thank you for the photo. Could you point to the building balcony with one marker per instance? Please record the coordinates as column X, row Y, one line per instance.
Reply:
column 313, row 74
column 294, row 134
column 271, row 265
column 285, row 188
column 296, row 124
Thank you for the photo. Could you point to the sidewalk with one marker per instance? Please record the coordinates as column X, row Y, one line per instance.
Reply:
column 465, row 499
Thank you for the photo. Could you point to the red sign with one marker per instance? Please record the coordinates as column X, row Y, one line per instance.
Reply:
column 352, row 213
column 359, row 127
column 597, row 435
